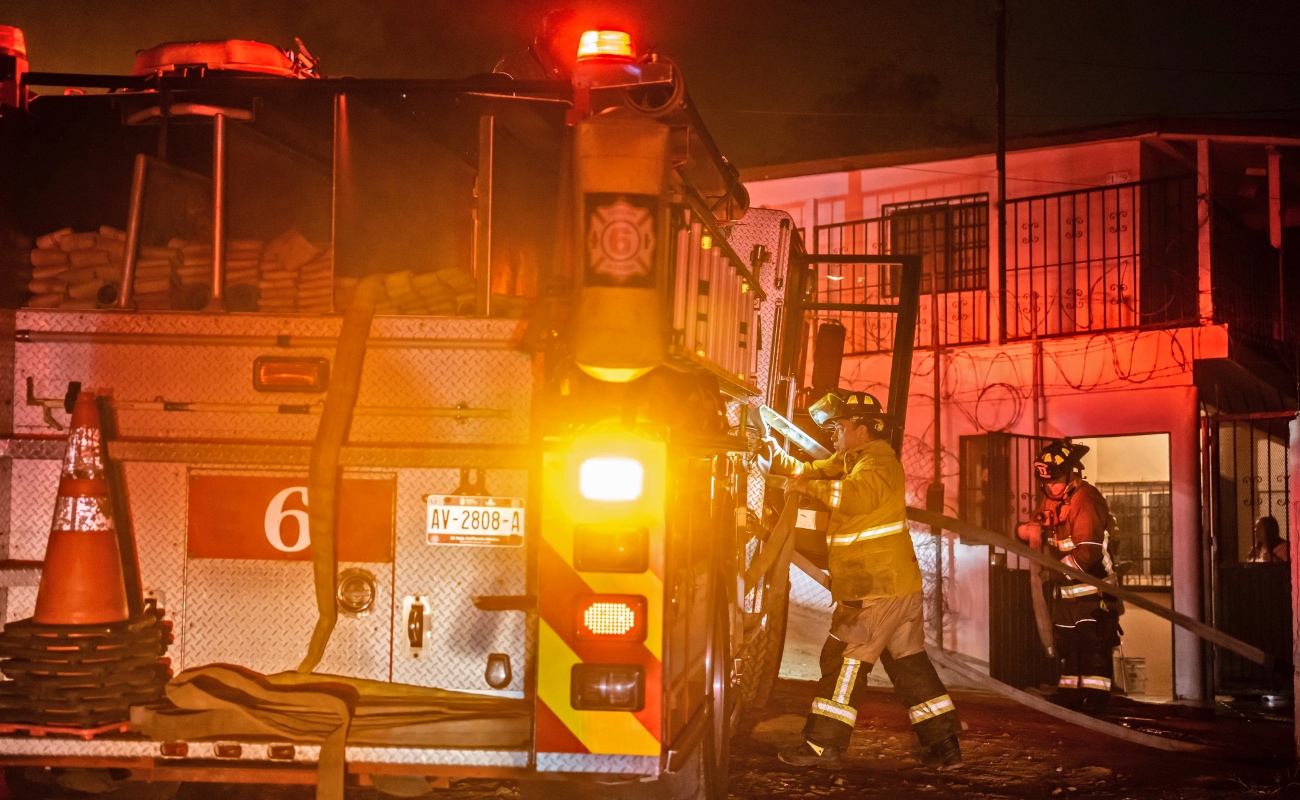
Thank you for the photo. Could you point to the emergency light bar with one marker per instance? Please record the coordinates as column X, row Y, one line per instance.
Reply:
column 605, row 44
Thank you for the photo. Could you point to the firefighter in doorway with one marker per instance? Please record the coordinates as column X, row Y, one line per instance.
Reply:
column 1072, row 519
column 876, row 584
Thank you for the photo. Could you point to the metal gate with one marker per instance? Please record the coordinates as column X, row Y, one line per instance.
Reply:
column 1247, row 474
column 998, row 493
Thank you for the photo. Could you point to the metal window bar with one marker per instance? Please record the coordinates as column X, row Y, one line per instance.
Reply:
column 1143, row 531
column 1253, row 481
column 1110, row 258
column 951, row 237
column 1246, row 475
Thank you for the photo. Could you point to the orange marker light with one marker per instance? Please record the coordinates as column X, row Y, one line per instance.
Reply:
column 597, row 44
column 278, row 374
column 618, row 617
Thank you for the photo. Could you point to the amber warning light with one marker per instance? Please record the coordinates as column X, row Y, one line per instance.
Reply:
column 605, row 44
column 276, row 374
column 618, row 617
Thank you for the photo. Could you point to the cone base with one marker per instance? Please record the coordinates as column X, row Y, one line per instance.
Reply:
column 82, row 581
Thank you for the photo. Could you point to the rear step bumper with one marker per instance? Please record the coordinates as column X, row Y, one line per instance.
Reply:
column 274, row 762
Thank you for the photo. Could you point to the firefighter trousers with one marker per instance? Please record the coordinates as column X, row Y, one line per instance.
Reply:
column 889, row 630
column 1084, row 640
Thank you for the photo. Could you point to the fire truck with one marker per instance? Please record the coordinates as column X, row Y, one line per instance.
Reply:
column 441, row 392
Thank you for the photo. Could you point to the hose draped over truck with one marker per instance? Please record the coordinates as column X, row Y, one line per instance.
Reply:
column 323, row 471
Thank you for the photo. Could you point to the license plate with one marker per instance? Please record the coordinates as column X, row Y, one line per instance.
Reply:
column 467, row 520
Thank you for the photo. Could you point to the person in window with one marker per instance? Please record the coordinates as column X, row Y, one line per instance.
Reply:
column 1269, row 544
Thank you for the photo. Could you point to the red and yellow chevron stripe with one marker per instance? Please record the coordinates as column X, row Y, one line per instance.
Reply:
column 560, row 727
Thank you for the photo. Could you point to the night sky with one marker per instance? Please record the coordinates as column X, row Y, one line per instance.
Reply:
column 777, row 81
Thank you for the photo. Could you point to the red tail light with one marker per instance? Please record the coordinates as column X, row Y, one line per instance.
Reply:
column 607, row 44
column 611, row 617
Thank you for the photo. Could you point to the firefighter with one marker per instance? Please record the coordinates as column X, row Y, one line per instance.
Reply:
column 1071, row 520
column 876, row 585
column 552, row 54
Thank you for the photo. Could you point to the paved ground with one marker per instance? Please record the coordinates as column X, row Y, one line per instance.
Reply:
column 1011, row 752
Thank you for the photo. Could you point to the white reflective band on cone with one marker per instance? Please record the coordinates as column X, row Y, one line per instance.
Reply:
column 82, row 514
column 930, row 709
column 836, row 711
column 870, row 533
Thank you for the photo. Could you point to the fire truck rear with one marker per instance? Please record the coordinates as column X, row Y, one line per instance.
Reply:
column 424, row 400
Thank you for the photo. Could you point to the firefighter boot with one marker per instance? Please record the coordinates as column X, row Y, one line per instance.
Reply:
column 943, row 754
column 810, row 755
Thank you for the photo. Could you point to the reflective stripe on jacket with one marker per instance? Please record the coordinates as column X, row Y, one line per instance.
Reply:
column 871, row 551
column 1081, row 540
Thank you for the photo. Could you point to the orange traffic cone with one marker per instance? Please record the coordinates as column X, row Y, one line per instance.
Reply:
column 82, row 582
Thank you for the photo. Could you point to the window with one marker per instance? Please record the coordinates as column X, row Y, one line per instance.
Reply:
column 952, row 237
column 1142, row 532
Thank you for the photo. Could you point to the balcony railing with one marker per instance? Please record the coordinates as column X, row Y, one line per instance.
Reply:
column 950, row 235
column 1112, row 258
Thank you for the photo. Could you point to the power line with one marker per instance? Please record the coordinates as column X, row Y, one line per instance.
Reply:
column 1159, row 67
column 1042, row 115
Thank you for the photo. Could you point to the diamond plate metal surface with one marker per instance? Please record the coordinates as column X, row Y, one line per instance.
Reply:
column 439, row 757
column 772, row 229
column 156, row 494
column 765, row 226
column 260, row 615
column 590, row 762
column 299, row 455
column 461, row 636
column 36, row 483
column 441, row 376
column 189, row 324
column 303, row 754
column 67, row 746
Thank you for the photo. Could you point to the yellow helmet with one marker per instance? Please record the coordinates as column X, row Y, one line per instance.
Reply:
column 843, row 404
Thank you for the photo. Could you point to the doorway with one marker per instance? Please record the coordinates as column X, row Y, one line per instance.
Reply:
column 1248, row 487
column 1132, row 473
column 998, row 492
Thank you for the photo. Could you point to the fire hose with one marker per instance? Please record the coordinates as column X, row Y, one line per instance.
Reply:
column 323, row 470
column 776, row 545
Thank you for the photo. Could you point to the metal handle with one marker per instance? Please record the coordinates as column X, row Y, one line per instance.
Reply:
column 415, row 626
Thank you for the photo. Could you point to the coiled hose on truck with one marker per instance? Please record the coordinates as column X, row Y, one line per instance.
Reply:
column 323, row 472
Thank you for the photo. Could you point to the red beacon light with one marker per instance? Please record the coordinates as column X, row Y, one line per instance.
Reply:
column 610, row 45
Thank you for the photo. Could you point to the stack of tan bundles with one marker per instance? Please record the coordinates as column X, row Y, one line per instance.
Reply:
column 446, row 292
column 242, row 256
column 155, row 271
column 77, row 270
column 194, row 275
column 282, row 264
